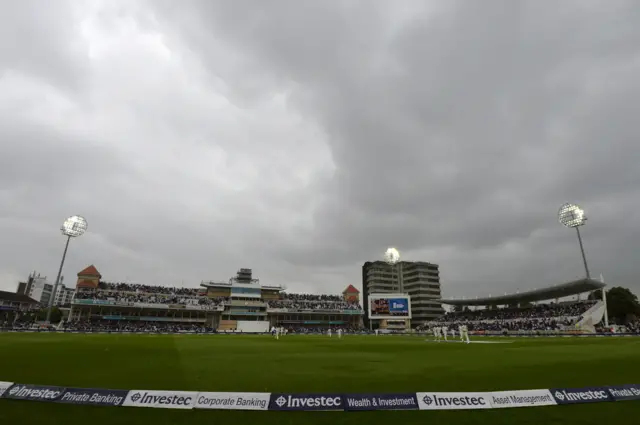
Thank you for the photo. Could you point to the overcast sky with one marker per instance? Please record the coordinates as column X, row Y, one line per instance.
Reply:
column 302, row 138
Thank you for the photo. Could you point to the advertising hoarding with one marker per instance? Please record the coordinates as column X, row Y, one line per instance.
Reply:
column 389, row 306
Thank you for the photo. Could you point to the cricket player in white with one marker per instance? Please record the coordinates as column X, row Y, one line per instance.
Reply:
column 444, row 332
column 437, row 332
column 376, row 332
column 453, row 333
column 329, row 332
column 339, row 333
column 464, row 333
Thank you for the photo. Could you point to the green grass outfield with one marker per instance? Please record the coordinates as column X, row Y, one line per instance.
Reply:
column 355, row 364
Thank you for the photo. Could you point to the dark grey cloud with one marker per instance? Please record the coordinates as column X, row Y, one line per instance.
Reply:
column 302, row 138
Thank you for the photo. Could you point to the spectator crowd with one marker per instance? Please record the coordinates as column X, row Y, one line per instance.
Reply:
column 541, row 317
column 125, row 293
column 134, row 326
column 149, row 289
column 313, row 302
column 290, row 301
column 310, row 297
column 150, row 298
column 539, row 311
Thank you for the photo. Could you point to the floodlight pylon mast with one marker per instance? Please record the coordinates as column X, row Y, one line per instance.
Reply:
column 72, row 227
column 55, row 287
column 604, row 300
column 584, row 257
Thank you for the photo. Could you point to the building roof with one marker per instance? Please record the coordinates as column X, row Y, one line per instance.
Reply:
column 351, row 290
column 86, row 284
column 551, row 292
column 90, row 271
column 16, row 298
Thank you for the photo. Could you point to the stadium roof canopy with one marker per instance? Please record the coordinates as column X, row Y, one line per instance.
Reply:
column 551, row 292
column 16, row 298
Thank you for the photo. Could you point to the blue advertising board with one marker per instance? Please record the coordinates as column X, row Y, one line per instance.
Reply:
column 380, row 401
column 399, row 305
column 624, row 392
column 305, row 402
column 581, row 395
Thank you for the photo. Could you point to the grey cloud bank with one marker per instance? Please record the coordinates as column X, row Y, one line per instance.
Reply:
column 301, row 139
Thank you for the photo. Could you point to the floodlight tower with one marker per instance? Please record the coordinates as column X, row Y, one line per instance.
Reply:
column 391, row 257
column 72, row 227
column 572, row 216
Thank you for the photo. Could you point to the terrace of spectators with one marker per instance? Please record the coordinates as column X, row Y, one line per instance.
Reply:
column 540, row 317
column 313, row 302
column 124, row 293
column 134, row 326
column 149, row 289
column 149, row 298
column 241, row 304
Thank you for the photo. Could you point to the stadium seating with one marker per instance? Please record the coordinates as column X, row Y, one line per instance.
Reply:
column 144, row 308
column 133, row 326
column 127, row 297
column 313, row 302
column 540, row 317
column 126, row 293
column 148, row 289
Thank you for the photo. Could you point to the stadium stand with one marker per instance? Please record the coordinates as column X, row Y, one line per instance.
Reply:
column 10, row 301
column 242, row 304
column 539, row 311
column 542, row 317
column 576, row 316
column 17, row 310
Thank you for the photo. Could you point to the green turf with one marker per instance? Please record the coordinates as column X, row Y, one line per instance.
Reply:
column 313, row 364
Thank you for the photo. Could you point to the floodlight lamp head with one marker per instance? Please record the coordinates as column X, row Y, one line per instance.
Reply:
column 391, row 256
column 571, row 215
column 74, row 226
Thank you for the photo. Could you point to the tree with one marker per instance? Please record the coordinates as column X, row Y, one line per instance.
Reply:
column 622, row 304
column 56, row 315
column 595, row 296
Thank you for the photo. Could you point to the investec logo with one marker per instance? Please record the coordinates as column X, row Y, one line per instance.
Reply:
column 31, row 392
column 310, row 402
column 446, row 401
column 580, row 396
column 161, row 399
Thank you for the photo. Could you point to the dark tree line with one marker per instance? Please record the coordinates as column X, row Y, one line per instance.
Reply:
column 622, row 304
